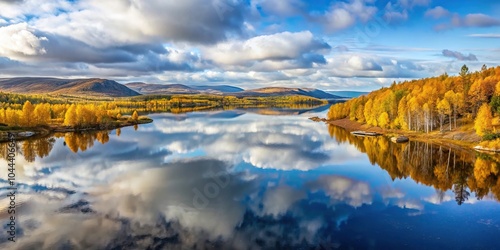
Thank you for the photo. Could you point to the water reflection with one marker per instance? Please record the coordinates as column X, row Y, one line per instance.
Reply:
column 233, row 180
column 444, row 168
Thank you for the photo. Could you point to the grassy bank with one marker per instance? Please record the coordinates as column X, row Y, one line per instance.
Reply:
column 464, row 136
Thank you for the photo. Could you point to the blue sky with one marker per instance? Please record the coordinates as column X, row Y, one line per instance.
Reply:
column 332, row 45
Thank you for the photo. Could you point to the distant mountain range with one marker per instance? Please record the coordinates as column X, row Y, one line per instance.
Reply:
column 347, row 94
column 109, row 88
column 145, row 88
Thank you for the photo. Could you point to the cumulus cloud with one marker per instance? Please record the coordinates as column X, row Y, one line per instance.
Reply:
column 437, row 12
column 349, row 65
column 359, row 63
column 301, row 46
column 342, row 15
column 18, row 40
column 459, row 56
column 103, row 24
column 398, row 11
column 395, row 13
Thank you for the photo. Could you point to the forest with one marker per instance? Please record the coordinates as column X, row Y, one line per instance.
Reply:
column 442, row 103
column 28, row 111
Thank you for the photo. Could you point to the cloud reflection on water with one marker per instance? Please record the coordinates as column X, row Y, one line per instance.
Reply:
column 181, row 185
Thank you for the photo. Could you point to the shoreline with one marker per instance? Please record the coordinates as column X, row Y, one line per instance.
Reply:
column 21, row 133
column 454, row 139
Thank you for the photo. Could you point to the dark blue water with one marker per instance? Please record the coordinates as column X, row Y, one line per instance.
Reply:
column 237, row 180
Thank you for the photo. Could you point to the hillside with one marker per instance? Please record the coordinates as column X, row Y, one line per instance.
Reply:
column 219, row 88
column 464, row 103
column 56, row 86
column 145, row 88
column 281, row 91
column 108, row 88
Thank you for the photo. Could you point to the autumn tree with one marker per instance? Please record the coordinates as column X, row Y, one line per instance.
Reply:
column 27, row 118
column 483, row 124
column 383, row 120
column 42, row 114
column 135, row 116
column 70, row 118
column 444, row 109
column 456, row 102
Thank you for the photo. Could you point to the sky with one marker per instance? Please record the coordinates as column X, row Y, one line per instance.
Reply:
column 332, row 45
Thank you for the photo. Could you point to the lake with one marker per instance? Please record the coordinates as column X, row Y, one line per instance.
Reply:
column 249, row 179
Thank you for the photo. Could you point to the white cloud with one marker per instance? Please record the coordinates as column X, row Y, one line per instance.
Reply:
column 114, row 23
column 437, row 12
column 339, row 19
column 18, row 41
column 276, row 47
column 344, row 15
column 17, row 10
column 359, row 63
column 394, row 14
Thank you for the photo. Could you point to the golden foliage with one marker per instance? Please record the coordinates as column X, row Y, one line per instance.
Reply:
column 425, row 104
column 482, row 124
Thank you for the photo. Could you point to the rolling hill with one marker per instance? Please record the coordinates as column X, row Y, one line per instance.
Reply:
column 281, row 91
column 108, row 88
column 56, row 86
column 145, row 88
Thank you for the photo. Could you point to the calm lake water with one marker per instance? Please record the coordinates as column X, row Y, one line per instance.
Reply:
column 249, row 180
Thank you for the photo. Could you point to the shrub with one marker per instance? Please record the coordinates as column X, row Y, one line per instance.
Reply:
column 491, row 136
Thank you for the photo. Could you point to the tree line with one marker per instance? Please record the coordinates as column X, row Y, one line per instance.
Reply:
column 74, row 115
column 431, row 103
